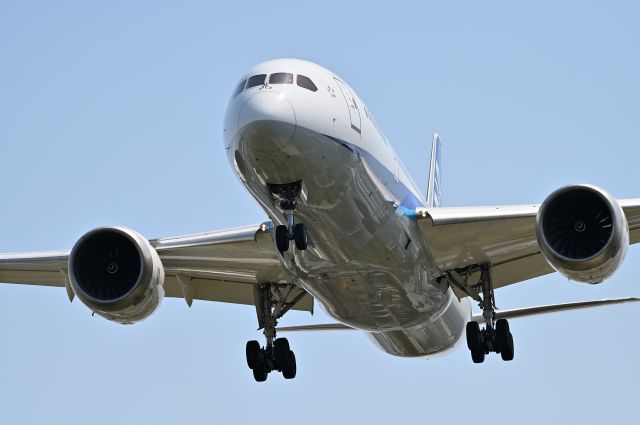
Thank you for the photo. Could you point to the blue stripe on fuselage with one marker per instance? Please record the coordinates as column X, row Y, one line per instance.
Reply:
column 409, row 202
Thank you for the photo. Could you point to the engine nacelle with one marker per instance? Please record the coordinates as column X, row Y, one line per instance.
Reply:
column 583, row 233
column 117, row 274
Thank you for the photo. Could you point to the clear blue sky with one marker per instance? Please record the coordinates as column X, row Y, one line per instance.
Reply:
column 111, row 113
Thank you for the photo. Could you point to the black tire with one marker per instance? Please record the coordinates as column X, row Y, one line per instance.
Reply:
column 290, row 371
column 281, row 353
column 253, row 353
column 474, row 336
column 508, row 353
column 502, row 335
column 282, row 238
column 300, row 236
column 260, row 372
column 477, row 356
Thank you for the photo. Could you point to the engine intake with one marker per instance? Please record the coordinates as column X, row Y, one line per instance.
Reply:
column 116, row 273
column 583, row 233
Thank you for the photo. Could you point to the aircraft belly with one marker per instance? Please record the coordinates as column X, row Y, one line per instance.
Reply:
column 366, row 262
column 433, row 338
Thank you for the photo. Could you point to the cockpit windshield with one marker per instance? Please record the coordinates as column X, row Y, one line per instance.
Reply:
column 240, row 88
column 275, row 78
column 305, row 82
column 281, row 78
column 256, row 80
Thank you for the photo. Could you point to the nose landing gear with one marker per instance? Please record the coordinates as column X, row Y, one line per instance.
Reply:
column 286, row 197
column 296, row 232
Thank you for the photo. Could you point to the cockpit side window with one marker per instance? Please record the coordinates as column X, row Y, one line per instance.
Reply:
column 240, row 88
column 305, row 82
column 281, row 78
column 256, row 80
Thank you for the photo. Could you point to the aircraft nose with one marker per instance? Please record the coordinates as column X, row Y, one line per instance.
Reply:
column 267, row 121
column 267, row 106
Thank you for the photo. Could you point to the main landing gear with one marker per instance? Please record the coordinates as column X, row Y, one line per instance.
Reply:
column 495, row 337
column 286, row 197
column 272, row 302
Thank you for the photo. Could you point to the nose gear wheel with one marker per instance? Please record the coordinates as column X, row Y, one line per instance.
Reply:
column 286, row 196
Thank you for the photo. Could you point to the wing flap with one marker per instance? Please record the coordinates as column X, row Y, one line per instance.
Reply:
column 36, row 268
column 33, row 277
column 199, row 288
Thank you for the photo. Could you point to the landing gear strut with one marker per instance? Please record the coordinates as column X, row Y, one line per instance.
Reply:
column 272, row 302
column 495, row 337
column 286, row 197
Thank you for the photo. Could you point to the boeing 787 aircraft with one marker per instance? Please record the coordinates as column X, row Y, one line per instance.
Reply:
column 347, row 227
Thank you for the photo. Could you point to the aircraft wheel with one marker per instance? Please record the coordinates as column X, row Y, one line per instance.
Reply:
column 474, row 337
column 282, row 238
column 507, row 352
column 260, row 372
column 253, row 354
column 281, row 353
column 477, row 356
column 502, row 334
column 300, row 236
column 290, row 371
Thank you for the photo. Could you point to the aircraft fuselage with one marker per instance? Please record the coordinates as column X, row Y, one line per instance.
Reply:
column 366, row 262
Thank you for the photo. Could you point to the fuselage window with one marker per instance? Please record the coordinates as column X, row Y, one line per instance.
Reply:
column 281, row 78
column 305, row 82
column 240, row 88
column 256, row 80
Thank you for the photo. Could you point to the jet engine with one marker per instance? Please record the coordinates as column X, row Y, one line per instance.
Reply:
column 117, row 274
column 583, row 233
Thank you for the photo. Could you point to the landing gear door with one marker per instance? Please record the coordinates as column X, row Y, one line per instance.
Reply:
column 352, row 105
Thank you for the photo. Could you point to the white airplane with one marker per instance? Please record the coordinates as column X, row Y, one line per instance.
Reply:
column 349, row 228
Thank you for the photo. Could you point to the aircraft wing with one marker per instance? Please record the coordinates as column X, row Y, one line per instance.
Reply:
column 503, row 236
column 501, row 314
column 215, row 266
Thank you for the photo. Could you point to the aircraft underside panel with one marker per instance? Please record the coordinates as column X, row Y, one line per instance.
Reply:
column 365, row 262
column 430, row 339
